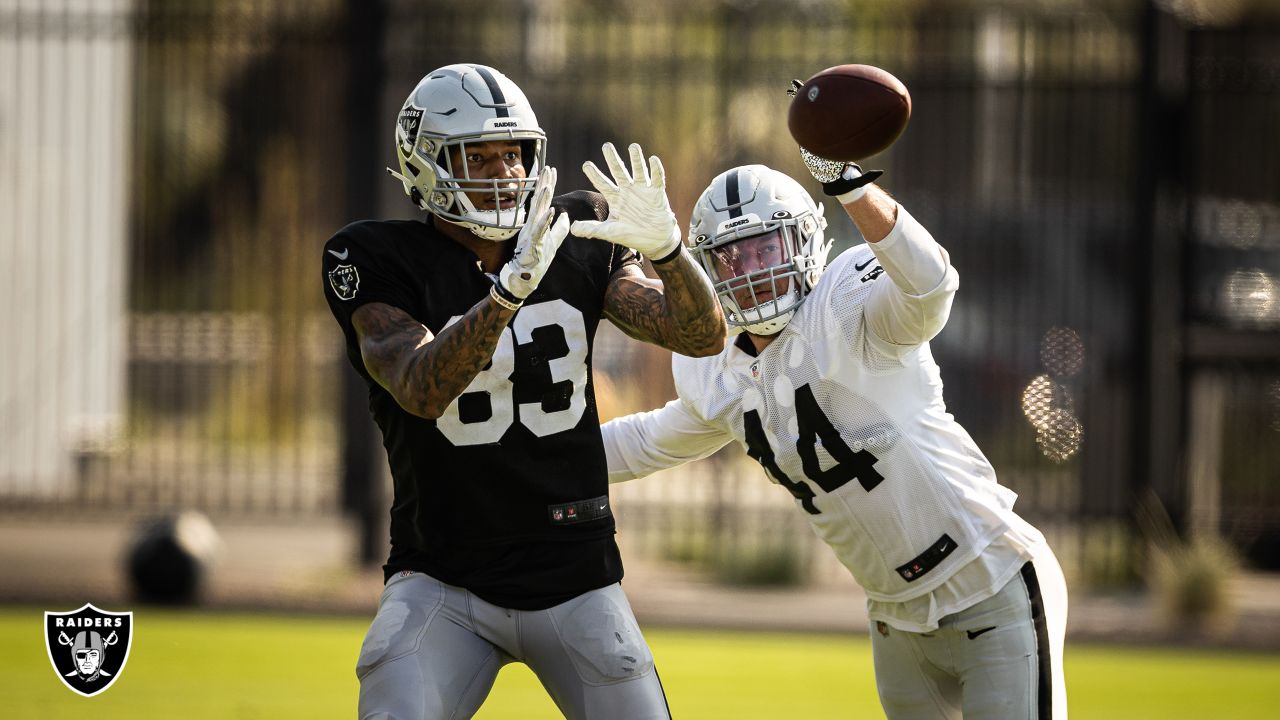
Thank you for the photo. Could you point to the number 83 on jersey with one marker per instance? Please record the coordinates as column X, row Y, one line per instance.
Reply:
column 495, row 381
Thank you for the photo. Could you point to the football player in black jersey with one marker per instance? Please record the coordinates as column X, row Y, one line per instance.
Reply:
column 473, row 329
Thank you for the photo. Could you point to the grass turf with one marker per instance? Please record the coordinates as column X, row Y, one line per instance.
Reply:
column 211, row 665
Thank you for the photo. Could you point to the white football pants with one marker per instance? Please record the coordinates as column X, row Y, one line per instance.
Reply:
column 1000, row 659
column 434, row 651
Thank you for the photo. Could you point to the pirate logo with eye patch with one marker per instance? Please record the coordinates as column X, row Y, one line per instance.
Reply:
column 88, row 647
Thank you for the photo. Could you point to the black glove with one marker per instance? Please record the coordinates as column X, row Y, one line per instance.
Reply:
column 840, row 180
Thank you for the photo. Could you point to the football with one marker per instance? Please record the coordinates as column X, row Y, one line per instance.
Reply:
column 849, row 112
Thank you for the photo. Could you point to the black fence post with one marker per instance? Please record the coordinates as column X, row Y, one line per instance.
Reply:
column 1161, row 220
column 362, row 478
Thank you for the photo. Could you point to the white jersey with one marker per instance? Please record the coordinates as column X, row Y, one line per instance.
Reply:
column 844, row 409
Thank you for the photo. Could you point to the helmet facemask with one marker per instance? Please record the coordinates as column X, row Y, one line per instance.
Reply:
column 448, row 196
column 759, row 237
column 453, row 109
column 756, row 275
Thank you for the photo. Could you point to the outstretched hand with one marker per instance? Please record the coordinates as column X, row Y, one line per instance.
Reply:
column 844, row 181
column 538, row 241
column 640, row 215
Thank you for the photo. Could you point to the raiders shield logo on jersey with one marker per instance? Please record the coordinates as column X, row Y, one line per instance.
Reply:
column 88, row 647
column 345, row 281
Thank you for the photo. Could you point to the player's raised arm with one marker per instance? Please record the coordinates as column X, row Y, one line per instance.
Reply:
column 915, row 306
column 644, row 443
column 425, row 372
column 679, row 311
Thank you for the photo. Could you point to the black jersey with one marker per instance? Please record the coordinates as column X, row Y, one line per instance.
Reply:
column 506, row 494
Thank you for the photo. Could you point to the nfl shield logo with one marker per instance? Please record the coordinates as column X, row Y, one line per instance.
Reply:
column 88, row 647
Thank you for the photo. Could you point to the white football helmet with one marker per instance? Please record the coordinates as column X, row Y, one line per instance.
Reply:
column 453, row 106
column 747, row 202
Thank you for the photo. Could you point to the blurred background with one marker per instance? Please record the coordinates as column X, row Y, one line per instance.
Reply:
column 1105, row 174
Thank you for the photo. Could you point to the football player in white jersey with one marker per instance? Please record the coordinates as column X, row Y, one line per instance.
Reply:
column 832, row 387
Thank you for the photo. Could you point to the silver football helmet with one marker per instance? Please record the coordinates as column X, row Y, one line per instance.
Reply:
column 759, row 236
column 451, row 107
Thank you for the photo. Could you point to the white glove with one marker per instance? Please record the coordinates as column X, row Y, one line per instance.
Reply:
column 538, row 241
column 640, row 216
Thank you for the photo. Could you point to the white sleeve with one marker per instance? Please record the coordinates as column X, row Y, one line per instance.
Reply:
column 644, row 443
column 914, row 307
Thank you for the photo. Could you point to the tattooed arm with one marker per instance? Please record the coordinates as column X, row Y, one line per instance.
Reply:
column 422, row 371
column 680, row 313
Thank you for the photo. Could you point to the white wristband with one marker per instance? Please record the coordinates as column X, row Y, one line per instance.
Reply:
column 854, row 195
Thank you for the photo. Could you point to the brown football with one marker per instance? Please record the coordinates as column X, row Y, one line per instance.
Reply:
column 849, row 112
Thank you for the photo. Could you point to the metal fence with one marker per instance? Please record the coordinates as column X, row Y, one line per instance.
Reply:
column 1105, row 176
column 168, row 177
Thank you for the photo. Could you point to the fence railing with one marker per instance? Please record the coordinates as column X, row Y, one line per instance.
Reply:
column 171, row 170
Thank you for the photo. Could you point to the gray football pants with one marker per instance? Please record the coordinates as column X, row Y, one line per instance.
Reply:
column 434, row 651
column 998, row 660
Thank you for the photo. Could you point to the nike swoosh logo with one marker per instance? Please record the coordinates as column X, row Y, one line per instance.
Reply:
column 340, row 255
column 975, row 633
column 859, row 267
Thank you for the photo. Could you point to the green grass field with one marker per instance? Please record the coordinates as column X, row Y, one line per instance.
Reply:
column 193, row 666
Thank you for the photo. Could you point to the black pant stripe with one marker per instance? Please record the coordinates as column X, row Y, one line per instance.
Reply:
column 1044, row 667
column 662, row 690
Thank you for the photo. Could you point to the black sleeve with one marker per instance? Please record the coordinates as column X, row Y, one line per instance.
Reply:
column 357, row 270
column 586, row 205
column 623, row 256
